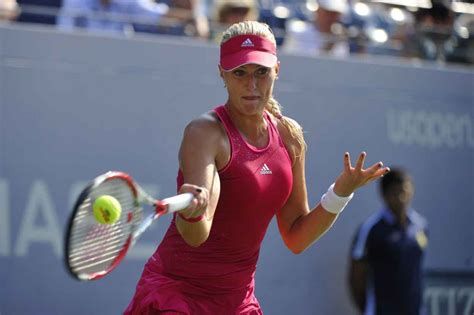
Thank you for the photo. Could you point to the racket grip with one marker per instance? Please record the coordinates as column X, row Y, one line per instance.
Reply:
column 178, row 202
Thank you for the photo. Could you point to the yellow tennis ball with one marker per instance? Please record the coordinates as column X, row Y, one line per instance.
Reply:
column 106, row 209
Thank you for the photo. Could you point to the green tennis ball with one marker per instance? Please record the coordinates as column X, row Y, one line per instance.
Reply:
column 106, row 209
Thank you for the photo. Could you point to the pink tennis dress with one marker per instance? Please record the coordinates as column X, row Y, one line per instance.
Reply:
column 217, row 278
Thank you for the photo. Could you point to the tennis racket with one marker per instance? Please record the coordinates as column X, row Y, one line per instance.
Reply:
column 92, row 250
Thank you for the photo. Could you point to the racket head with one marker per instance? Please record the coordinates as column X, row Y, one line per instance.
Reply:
column 92, row 249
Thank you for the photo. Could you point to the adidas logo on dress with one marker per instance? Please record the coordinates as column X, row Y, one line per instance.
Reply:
column 265, row 170
column 247, row 43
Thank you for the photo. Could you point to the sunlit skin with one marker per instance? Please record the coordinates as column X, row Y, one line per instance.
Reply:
column 249, row 89
column 205, row 149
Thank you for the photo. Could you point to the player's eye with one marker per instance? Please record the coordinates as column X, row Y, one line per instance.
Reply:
column 238, row 72
column 262, row 71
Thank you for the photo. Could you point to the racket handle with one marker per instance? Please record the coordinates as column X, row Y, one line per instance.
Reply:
column 178, row 202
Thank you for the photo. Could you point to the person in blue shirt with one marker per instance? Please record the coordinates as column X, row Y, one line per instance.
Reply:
column 385, row 275
column 120, row 16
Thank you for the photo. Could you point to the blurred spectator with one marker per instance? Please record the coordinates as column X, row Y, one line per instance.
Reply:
column 191, row 21
column 387, row 253
column 38, row 11
column 9, row 10
column 227, row 12
column 234, row 11
column 121, row 15
column 276, row 14
column 324, row 36
column 201, row 19
column 419, row 29
column 461, row 46
column 433, row 29
column 383, row 27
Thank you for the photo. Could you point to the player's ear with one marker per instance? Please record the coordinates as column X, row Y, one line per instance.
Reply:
column 277, row 68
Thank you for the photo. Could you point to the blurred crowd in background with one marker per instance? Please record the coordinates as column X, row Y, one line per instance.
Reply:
column 440, row 31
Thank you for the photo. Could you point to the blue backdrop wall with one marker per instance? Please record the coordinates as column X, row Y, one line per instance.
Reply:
column 73, row 106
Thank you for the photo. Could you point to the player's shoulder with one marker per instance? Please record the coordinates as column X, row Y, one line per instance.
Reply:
column 282, row 129
column 206, row 126
column 291, row 121
column 372, row 223
column 418, row 219
column 366, row 232
column 290, row 137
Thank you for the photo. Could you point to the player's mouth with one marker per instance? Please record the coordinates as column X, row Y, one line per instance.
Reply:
column 251, row 98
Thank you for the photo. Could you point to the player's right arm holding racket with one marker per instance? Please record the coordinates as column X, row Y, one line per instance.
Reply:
column 199, row 159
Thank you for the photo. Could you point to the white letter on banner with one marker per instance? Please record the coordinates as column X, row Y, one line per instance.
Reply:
column 468, row 292
column 4, row 218
column 39, row 203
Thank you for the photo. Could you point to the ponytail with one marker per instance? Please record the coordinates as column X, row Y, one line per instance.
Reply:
column 274, row 108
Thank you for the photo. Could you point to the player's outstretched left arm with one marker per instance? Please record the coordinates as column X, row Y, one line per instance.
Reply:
column 301, row 226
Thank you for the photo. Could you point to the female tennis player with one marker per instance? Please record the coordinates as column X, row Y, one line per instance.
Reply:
column 244, row 162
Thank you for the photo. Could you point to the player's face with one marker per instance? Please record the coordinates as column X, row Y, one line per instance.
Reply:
column 250, row 87
column 398, row 196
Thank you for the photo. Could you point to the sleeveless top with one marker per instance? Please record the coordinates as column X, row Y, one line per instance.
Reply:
column 255, row 183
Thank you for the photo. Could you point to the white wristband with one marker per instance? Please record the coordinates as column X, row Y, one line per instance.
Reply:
column 334, row 203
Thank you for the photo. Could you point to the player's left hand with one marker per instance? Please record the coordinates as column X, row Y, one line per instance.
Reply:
column 352, row 178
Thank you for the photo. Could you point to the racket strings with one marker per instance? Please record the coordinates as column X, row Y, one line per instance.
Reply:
column 93, row 247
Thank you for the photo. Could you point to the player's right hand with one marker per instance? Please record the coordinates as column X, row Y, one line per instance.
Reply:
column 199, row 204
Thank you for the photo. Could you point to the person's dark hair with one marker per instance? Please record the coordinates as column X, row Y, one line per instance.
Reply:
column 397, row 175
column 440, row 12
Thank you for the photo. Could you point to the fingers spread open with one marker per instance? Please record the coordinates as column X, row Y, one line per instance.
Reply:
column 377, row 170
column 347, row 161
column 374, row 168
column 360, row 161
column 382, row 172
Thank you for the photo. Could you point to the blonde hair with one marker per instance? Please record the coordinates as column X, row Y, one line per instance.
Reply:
column 273, row 107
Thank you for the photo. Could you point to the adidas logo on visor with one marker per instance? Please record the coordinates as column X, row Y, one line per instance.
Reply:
column 247, row 43
column 265, row 170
